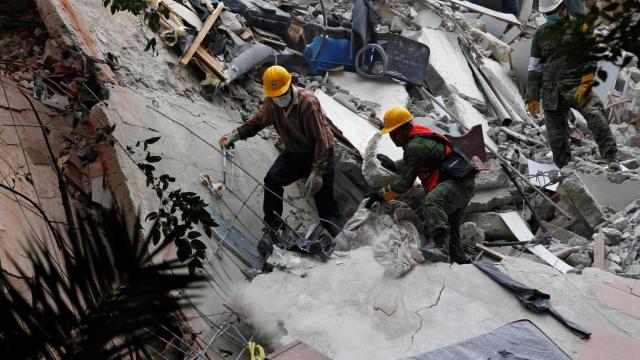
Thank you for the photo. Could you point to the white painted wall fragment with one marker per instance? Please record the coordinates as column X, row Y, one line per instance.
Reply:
column 355, row 129
column 450, row 64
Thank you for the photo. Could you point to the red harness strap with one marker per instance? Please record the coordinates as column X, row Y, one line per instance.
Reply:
column 429, row 174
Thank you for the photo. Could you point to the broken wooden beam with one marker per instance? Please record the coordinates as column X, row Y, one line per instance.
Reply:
column 492, row 253
column 195, row 45
column 211, row 62
column 205, row 61
column 183, row 12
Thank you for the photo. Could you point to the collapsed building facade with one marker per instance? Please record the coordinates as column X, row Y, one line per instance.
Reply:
column 87, row 70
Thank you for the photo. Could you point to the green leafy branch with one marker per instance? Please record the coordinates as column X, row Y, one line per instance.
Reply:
column 179, row 212
column 618, row 30
column 150, row 15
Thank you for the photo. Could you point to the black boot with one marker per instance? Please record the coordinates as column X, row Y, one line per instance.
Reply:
column 265, row 245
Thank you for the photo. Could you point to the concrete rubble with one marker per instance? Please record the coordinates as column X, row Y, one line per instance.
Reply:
column 205, row 76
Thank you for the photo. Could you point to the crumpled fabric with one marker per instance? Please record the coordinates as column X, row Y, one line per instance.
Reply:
column 374, row 174
column 532, row 299
column 392, row 229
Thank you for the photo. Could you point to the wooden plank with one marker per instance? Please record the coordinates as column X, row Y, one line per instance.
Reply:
column 183, row 12
column 201, row 34
column 212, row 62
column 202, row 59
column 489, row 251
column 598, row 252
column 206, row 69
column 168, row 23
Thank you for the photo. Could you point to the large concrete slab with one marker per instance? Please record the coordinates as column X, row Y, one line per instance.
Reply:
column 332, row 308
column 606, row 193
column 387, row 93
column 502, row 82
column 355, row 129
column 448, row 66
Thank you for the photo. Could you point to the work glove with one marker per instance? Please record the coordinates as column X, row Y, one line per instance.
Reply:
column 314, row 182
column 375, row 197
column 227, row 141
column 387, row 163
column 534, row 108
column 583, row 94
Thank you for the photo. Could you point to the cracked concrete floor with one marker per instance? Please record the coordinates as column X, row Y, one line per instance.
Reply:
column 437, row 304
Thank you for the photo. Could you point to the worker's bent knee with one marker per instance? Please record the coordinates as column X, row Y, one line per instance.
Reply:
column 272, row 180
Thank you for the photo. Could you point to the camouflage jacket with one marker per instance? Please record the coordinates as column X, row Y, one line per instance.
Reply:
column 418, row 152
column 550, row 71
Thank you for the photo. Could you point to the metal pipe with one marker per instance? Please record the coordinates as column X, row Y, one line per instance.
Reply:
column 324, row 20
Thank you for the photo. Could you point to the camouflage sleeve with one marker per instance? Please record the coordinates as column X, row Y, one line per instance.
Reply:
column 416, row 154
column 534, row 82
column 399, row 164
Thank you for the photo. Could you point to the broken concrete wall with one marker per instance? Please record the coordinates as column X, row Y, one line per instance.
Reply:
column 385, row 93
column 26, row 167
column 448, row 70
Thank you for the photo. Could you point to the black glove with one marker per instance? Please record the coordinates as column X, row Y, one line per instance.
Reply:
column 372, row 199
column 387, row 163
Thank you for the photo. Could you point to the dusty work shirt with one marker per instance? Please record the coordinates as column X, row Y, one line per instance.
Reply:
column 418, row 152
column 302, row 126
column 551, row 72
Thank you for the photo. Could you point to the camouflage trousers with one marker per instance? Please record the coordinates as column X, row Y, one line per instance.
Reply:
column 443, row 210
column 558, row 128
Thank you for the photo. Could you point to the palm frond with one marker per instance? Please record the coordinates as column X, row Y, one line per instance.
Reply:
column 103, row 305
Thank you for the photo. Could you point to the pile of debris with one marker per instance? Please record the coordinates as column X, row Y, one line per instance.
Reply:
column 38, row 63
column 226, row 50
column 61, row 84
column 477, row 68
column 458, row 66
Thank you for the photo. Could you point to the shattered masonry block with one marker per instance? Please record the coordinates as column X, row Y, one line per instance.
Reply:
column 582, row 199
column 492, row 224
column 612, row 236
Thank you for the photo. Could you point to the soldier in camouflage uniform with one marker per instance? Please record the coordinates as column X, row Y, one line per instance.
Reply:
column 427, row 155
column 563, row 83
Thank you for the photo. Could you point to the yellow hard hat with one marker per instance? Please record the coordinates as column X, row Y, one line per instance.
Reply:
column 276, row 81
column 395, row 117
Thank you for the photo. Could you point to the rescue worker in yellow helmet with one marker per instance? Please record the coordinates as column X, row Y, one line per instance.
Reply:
column 299, row 121
column 446, row 174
